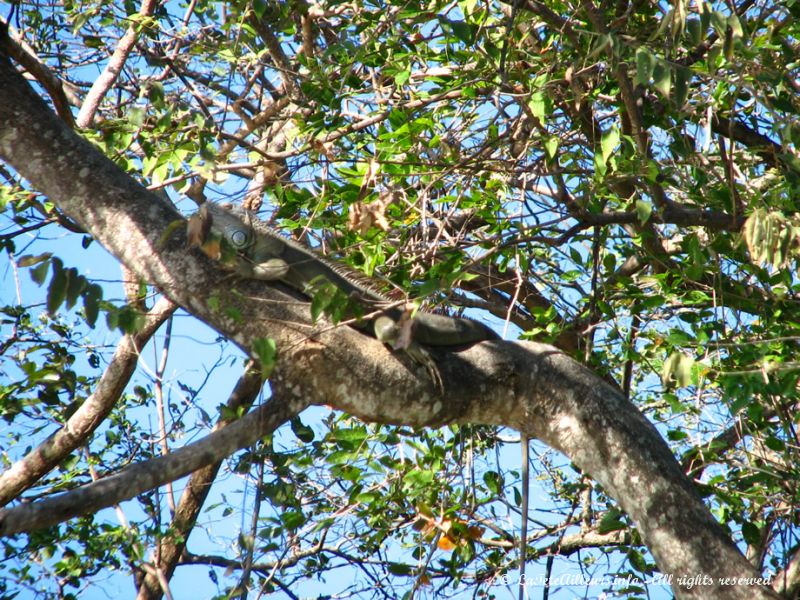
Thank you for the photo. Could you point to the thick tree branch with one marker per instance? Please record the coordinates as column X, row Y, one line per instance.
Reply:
column 61, row 94
column 787, row 582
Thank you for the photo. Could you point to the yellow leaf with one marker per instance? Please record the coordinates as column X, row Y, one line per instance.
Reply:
column 445, row 543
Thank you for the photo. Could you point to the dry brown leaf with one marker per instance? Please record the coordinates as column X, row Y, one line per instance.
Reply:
column 324, row 148
column 362, row 216
column 197, row 227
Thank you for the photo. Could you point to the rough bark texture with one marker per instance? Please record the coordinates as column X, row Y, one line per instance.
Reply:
column 528, row 386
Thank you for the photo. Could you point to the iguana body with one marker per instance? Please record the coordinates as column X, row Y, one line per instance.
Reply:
column 272, row 257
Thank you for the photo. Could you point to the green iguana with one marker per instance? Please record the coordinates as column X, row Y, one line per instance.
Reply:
column 268, row 256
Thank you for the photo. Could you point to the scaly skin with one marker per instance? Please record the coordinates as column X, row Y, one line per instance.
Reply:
column 271, row 257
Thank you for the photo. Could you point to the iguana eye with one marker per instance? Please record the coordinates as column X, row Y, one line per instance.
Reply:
column 239, row 239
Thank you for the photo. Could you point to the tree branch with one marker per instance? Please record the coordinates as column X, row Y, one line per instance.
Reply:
column 60, row 93
column 172, row 547
column 114, row 67
column 141, row 477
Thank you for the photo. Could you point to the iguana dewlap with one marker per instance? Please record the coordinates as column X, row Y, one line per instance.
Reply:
column 269, row 256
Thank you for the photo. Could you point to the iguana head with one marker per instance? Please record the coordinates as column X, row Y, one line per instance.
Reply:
column 233, row 229
column 261, row 254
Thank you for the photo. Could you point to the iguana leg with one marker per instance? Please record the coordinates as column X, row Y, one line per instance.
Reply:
column 386, row 330
column 269, row 270
column 422, row 357
column 397, row 335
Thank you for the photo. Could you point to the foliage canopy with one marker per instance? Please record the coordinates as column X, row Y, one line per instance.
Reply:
column 618, row 179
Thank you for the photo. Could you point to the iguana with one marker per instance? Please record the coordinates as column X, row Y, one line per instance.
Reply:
column 266, row 255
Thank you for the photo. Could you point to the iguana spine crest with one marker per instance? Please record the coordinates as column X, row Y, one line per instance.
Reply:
column 301, row 268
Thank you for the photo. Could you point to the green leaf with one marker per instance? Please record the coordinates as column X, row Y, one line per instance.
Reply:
column 418, row 479
column 662, row 78
column 29, row 260
column 645, row 63
column 638, row 561
column 751, row 533
column 259, row 7
column 76, row 284
column 155, row 93
column 303, row 432
column 402, row 77
column 341, row 457
column 493, row 481
column 608, row 143
column 680, row 90
column 293, row 519
column 463, row 31
column 58, row 287
column 551, row 147
column 603, row 42
column 93, row 41
column 396, row 568
column 678, row 367
column 538, row 105
column 322, row 298
column 91, row 303
column 735, row 26
column 643, row 211
column 265, row 352
column 128, row 319
column 676, row 435
column 611, row 521
column 39, row 273
column 695, row 30
column 665, row 23
column 354, row 436
column 467, row 6
column 720, row 23
column 599, row 165
column 774, row 443
column 233, row 313
column 705, row 17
